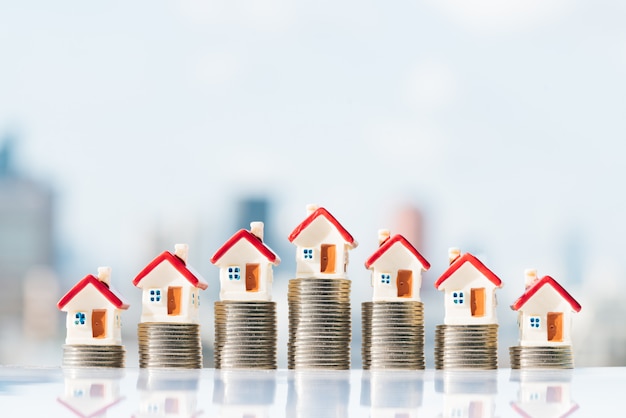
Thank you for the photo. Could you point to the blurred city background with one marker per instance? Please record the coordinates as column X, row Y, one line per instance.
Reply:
column 496, row 127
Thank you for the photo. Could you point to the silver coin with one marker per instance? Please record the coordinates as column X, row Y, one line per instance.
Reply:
column 393, row 335
column 169, row 345
column 319, row 324
column 541, row 357
column 110, row 356
column 245, row 335
column 466, row 346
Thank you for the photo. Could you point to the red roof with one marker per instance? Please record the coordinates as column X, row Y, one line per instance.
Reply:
column 252, row 239
column 468, row 258
column 115, row 299
column 389, row 242
column 178, row 264
column 534, row 288
column 323, row 212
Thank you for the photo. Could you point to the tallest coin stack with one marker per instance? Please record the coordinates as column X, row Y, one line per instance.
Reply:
column 319, row 297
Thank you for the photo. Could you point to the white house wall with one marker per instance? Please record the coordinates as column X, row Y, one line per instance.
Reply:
column 545, row 300
column 395, row 258
column 319, row 232
column 88, row 299
column 239, row 255
column 464, row 279
column 162, row 277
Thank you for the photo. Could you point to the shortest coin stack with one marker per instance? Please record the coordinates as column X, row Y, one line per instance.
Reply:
column 245, row 335
column 538, row 357
column 466, row 347
column 393, row 335
column 93, row 355
column 169, row 345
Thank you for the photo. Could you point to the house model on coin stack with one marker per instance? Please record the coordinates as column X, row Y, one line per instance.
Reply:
column 322, row 245
column 469, row 288
column 93, row 311
column 171, row 288
column 396, row 269
column 245, row 316
column 245, row 264
column 545, row 312
column 169, row 333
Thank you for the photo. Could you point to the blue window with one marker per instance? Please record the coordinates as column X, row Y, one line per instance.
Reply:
column 385, row 278
column 535, row 322
column 307, row 253
column 155, row 295
column 79, row 319
column 458, row 298
column 234, row 273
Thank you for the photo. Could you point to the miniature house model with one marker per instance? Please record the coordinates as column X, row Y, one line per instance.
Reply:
column 323, row 245
column 545, row 312
column 469, row 291
column 245, row 264
column 396, row 269
column 93, row 311
column 171, row 289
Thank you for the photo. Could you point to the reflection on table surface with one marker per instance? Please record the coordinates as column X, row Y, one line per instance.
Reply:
column 355, row 393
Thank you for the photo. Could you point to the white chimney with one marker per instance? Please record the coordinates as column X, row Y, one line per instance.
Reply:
column 530, row 276
column 383, row 235
column 310, row 208
column 104, row 275
column 180, row 250
column 256, row 228
column 453, row 254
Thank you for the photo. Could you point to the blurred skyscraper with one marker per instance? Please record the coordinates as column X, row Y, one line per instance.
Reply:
column 26, row 254
column 26, row 229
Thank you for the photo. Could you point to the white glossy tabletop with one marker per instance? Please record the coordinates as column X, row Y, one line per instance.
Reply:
column 208, row 392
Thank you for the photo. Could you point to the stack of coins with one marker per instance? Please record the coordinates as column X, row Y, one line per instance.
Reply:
column 393, row 335
column 466, row 347
column 245, row 335
column 84, row 355
column 319, row 324
column 165, row 345
column 546, row 357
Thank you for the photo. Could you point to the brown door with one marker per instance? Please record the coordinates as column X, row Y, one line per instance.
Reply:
column 555, row 326
column 99, row 323
column 173, row 300
column 328, row 258
column 478, row 301
column 404, row 283
column 252, row 277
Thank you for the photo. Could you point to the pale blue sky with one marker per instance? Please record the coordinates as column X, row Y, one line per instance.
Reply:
column 506, row 121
